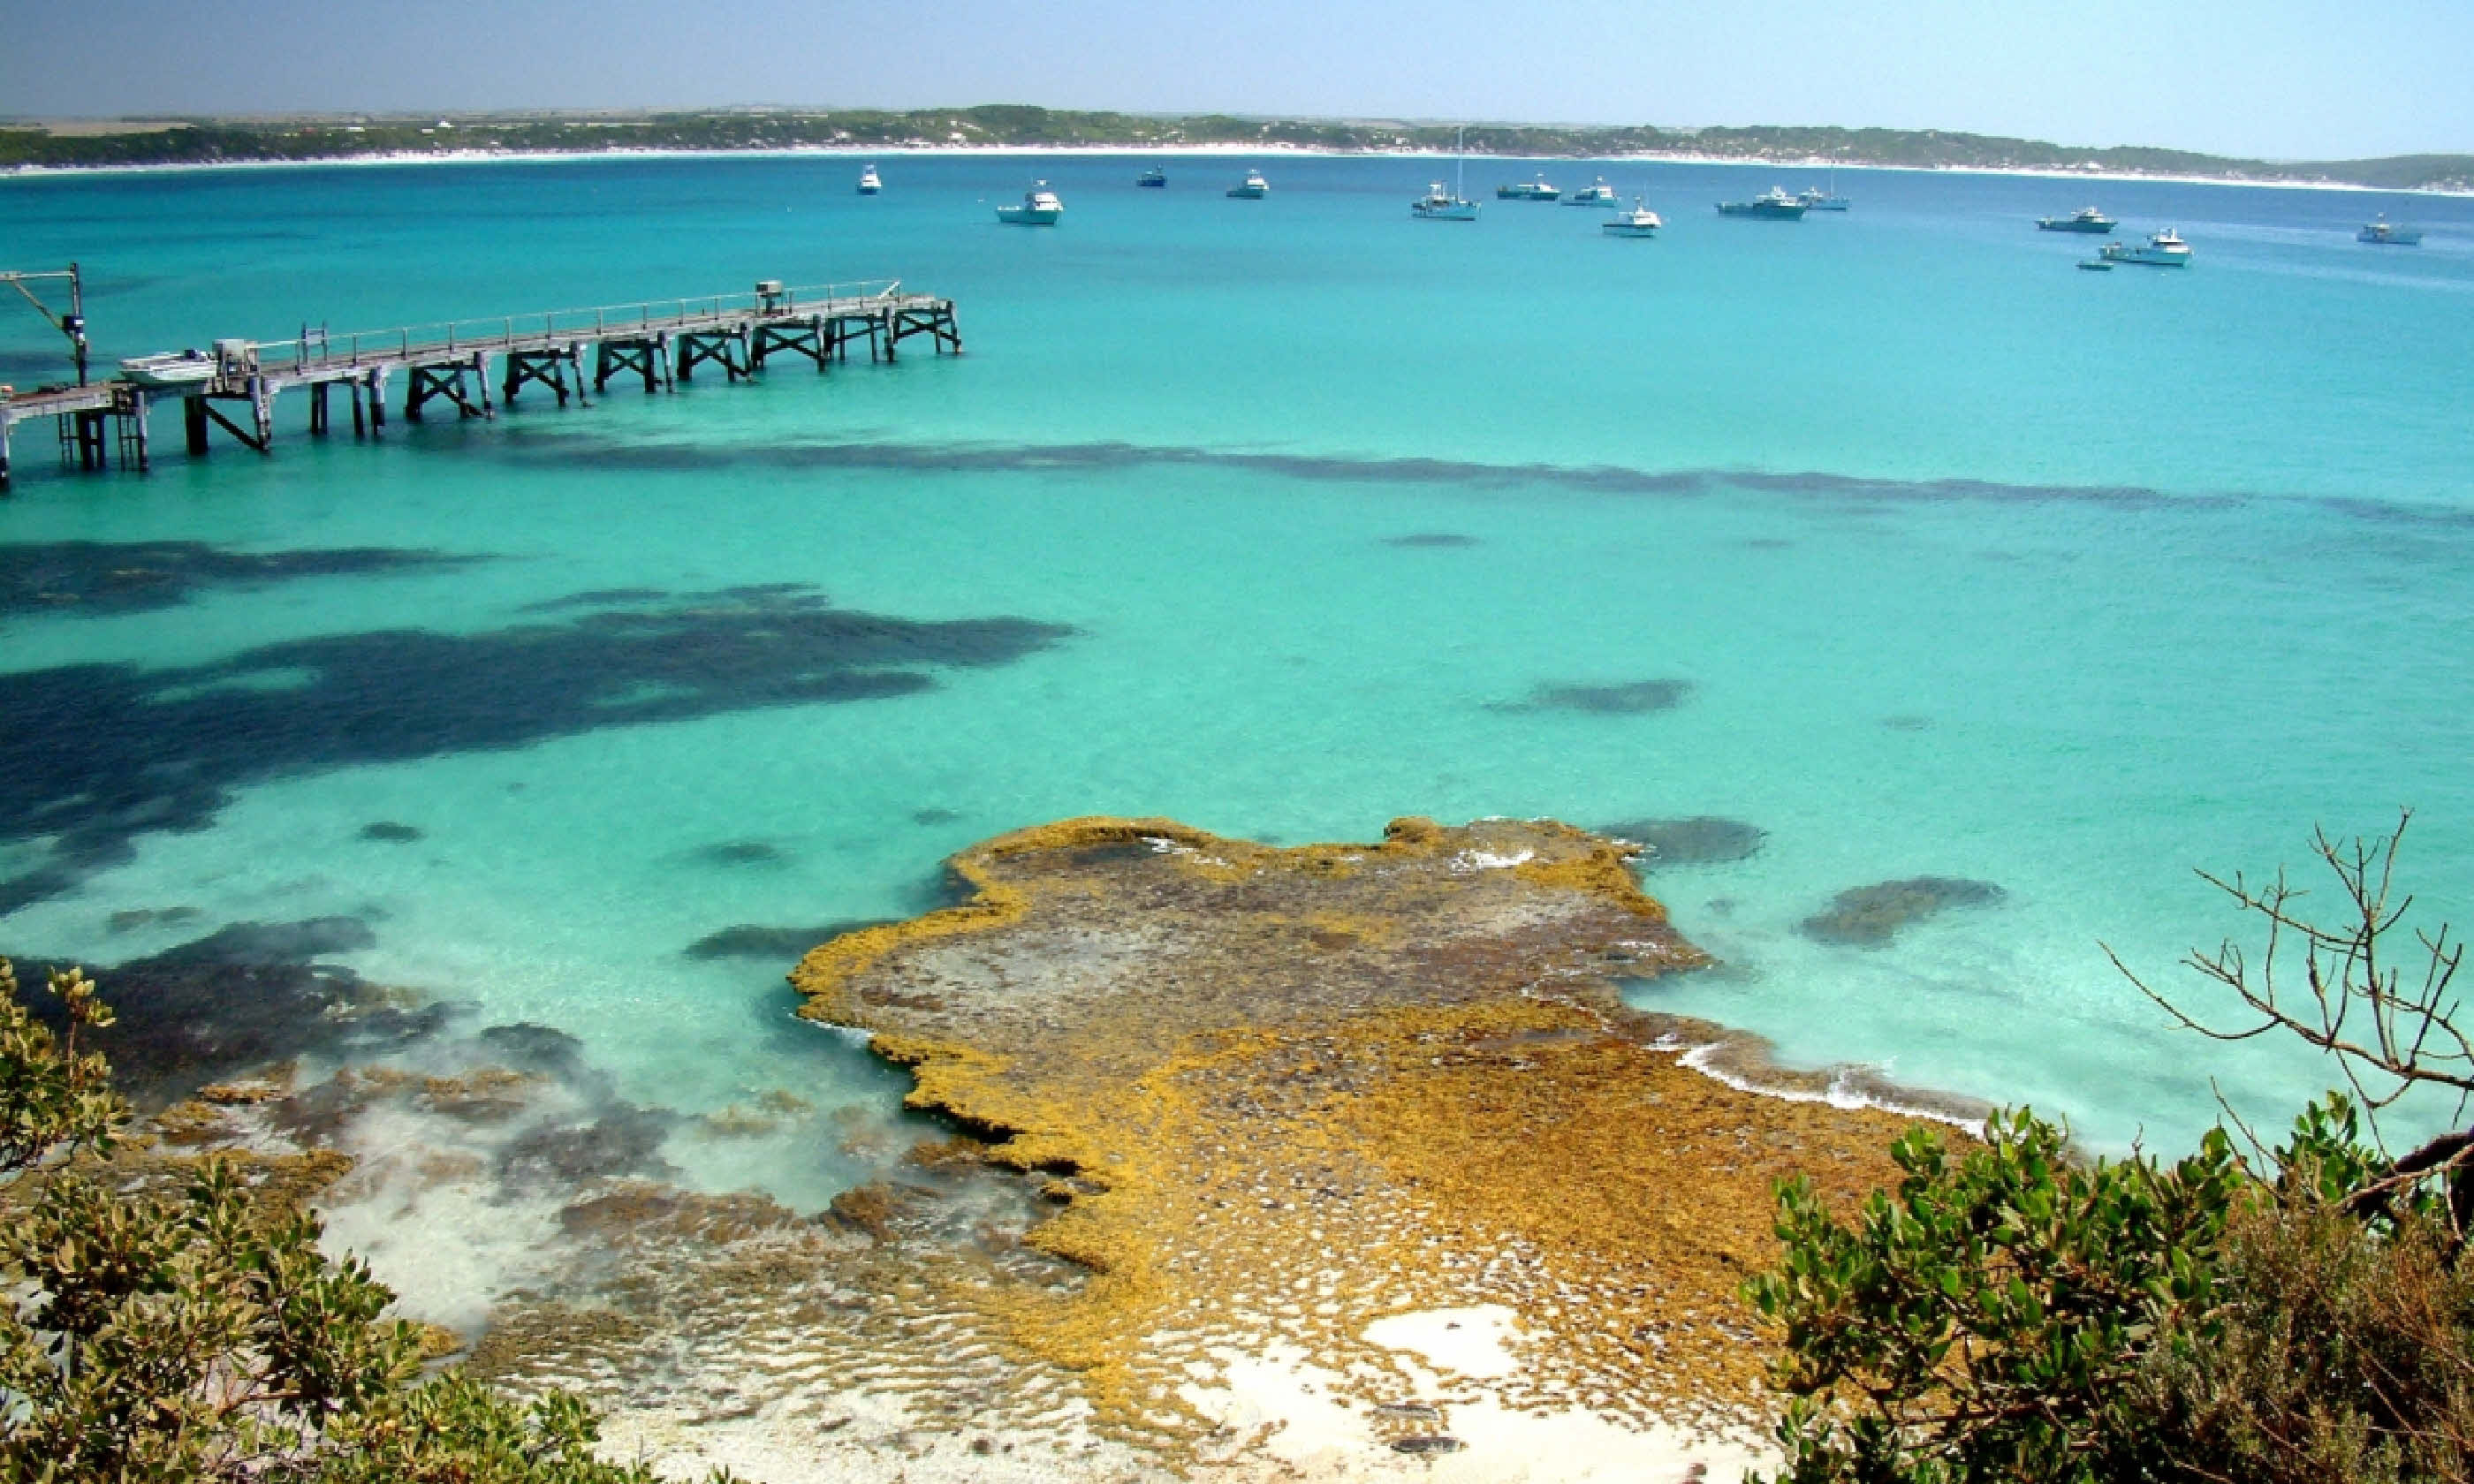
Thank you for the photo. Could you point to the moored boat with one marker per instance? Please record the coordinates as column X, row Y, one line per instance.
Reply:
column 1527, row 190
column 170, row 368
column 1155, row 178
column 2380, row 231
column 1039, row 208
column 1442, row 205
column 2165, row 249
column 1638, row 221
column 1253, row 188
column 1773, row 205
column 1825, row 200
column 2086, row 219
column 1600, row 194
column 869, row 184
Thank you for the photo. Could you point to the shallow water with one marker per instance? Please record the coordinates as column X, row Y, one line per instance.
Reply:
column 1890, row 535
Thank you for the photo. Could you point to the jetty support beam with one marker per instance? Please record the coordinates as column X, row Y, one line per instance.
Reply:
column 129, row 411
column 799, row 336
column 82, row 438
column 550, row 367
column 199, row 413
column 726, row 349
column 936, row 320
column 645, row 355
column 443, row 381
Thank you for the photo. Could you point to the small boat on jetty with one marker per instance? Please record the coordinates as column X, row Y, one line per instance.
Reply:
column 869, row 184
column 170, row 368
column 1772, row 206
column 1253, row 188
column 2165, row 249
column 1154, row 178
column 1600, row 194
column 2381, row 232
column 1039, row 208
column 1527, row 190
column 2086, row 219
column 1638, row 221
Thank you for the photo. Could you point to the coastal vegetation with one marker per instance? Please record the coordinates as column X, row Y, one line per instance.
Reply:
column 2291, row 1313
column 190, row 1329
column 206, row 141
column 1999, row 1308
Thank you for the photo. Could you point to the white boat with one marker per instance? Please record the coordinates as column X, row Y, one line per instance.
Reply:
column 1527, row 190
column 2165, row 249
column 1824, row 200
column 1638, row 221
column 1441, row 205
column 868, row 183
column 1253, row 188
column 1039, row 208
column 2381, row 232
column 171, row 368
column 1599, row 195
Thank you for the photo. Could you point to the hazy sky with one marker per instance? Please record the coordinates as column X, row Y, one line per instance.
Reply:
column 2280, row 78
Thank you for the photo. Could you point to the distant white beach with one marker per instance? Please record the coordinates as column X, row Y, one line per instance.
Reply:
column 1143, row 152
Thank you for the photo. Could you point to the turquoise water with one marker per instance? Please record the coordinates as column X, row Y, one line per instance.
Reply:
column 1975, row 566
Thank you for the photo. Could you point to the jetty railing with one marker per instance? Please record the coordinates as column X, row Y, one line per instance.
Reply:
column 319, row 349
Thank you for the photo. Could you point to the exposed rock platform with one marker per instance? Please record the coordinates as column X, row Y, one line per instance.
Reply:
column 1281, row 1094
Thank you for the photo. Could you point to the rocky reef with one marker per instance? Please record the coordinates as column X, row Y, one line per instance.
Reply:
column 1279, row 1095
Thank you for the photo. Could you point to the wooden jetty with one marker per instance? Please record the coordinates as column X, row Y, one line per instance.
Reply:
column 658, row 342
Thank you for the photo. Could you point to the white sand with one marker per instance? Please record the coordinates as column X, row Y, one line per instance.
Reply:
column 1263, row 149
column 1284, row 1420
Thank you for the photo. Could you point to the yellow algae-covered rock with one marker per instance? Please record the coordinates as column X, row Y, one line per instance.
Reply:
column 1295, row 1090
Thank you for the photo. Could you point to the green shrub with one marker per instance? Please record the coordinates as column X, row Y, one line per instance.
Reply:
column 168, row 1339
column 2014, row 1313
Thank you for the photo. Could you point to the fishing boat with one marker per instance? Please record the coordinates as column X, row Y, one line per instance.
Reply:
column 1527, row 190
column 1600, row 194
column 1155, row 178
column 1253, row 188
column 2382, row 233
column 1442, row 205
column 1039, row 208
column 2165, row 249
column 1824, row 200
column 1772, row 206
column 2086, row 219
column 1638, row 221
column 170, row 368
column 868, row 183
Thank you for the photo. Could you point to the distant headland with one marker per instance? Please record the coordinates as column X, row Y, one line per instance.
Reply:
column 86, row 144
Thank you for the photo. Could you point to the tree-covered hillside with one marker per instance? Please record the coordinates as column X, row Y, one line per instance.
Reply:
column 211, row 141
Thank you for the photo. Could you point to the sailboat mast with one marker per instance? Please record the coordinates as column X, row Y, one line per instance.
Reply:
column 1459, row 162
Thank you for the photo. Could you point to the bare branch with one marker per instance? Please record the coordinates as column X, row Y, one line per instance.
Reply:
column 2390, row 1033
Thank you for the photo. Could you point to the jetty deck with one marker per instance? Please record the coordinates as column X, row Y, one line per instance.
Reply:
column 449, row 365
